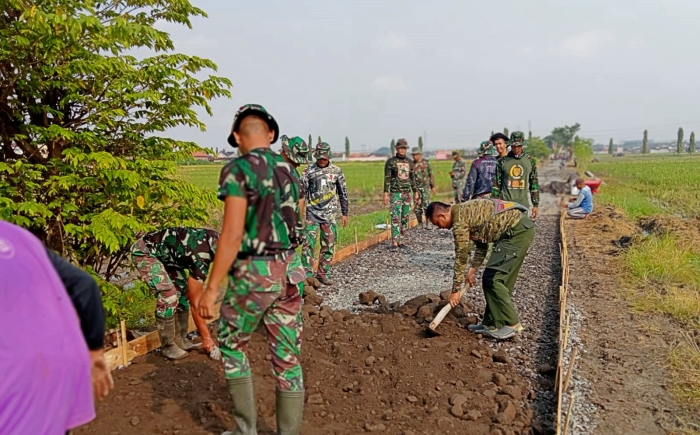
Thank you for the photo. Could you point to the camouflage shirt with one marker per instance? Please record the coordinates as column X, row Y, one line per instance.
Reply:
column 483, row 221
column 325, row 192
column 271, row 187
column 399, row 175
column 515, row 177
column 459, row 173
column 423, row 174
column 184, row 249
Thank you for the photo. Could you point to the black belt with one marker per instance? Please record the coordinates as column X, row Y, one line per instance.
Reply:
column 266, row 256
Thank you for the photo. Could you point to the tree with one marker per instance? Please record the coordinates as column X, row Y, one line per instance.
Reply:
column 583, row 150
column 505, row 131
column 84, row 160
column 645, row 143
column 420, row 143
column 611, row 147
column 536, row 147
column 393, row 147
column 319, row 139
column 679, row 144
column 311, row 141
column 563, row 136
column 491, row 132
column 347, row 147
column 529, row 135
column 691, row 143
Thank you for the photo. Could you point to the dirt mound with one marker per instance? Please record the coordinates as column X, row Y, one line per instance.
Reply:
column 687, row 230
column 363, row 373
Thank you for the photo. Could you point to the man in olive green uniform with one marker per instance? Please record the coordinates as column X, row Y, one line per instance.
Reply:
column 459, row 175
column 484, row 221
column 516, row 176
column 399, row 181
column 425, row 184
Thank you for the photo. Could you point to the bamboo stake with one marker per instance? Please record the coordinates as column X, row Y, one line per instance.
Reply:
column 571, row 368
column 568, row 414
column 356, row 249
column 566, row 332
column 124, row 343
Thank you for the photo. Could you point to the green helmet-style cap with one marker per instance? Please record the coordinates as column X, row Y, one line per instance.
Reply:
column 401, row 143
column 416, row 150
column 252, row 109
column 517, row 139
column 296, row 149
column 323, row 151
column 456, row 153
column 487, row 149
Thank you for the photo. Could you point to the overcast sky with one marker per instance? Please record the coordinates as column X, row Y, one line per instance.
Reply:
column 452, row 70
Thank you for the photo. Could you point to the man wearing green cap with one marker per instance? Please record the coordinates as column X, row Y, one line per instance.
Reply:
column 399, row 182
column 323, row 184
column 296, row 152
column 425, row 184
column 458, row 175
column 516, row 176
column 480, row 178
column 256, row 249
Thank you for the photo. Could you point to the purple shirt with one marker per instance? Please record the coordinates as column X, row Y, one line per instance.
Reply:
column 45, row 381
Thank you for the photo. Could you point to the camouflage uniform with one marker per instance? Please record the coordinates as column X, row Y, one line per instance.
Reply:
column 399, row 182
column 425, row 182
column 165, row 257
column 326, row 197
column 507, row 226
column 459, row 176
column 264, row 280
column 516, row 176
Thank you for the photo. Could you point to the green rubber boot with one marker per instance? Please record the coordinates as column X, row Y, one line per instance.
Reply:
column 183, row 319
column 290, row 410
column 245, row 413
column 167, row 332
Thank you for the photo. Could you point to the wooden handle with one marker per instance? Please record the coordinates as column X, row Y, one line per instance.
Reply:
column 443, row 312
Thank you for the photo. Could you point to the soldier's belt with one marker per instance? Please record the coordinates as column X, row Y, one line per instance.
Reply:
column 267, row 256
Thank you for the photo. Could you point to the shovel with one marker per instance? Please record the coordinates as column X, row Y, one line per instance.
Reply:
column 432, row 328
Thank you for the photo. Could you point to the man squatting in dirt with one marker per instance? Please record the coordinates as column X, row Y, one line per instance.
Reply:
column 582, row 206
column 174, row 263
column 507, row 226
column 399, row 182
column 480, row 178
column 425, row 184
column 323, row 186
column 516, row 176
column 458, row 175
column 261, row 230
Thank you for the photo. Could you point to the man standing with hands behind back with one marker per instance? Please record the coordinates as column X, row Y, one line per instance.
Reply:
column 516, row 176
column 399, row 182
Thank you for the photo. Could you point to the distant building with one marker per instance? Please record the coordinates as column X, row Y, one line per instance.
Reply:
column 225, row 156
column 202, row 156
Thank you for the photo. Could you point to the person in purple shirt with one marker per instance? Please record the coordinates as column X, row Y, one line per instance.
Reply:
column 480, row 178
column 47, row 383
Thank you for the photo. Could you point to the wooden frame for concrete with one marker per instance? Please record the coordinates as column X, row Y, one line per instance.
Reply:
column 127, row 351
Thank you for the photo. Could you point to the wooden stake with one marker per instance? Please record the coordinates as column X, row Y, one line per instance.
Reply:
column 566, row 332
column 571, row 368
column 568, row 414
column 356, row 250
column 125, row 360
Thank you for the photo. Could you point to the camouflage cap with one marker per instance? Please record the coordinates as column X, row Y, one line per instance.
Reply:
column 456, row 153
column 416, row 150
column 252, row 109
column 517, row 139
column 487, row 149
column 296, row 149
column 323, row 151
column 401, row 143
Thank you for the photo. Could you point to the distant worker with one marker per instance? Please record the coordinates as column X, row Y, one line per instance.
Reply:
column 516, row 176
column 583, row 205
column 174, row 263
column 458, row 175
column 425, row 184
column 480, row 178
column 257, row 251
column 484, row 221
column 323, row 185
column 500, row 142
column 399, row 182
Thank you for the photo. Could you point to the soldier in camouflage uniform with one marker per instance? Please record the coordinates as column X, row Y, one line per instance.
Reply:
column 399, row 181
column 164, row 259
column 425, row 184
column 483, row 221
column 260, row 191
column 295, row 151
column 516, row 176
column 326, row 194
column 458, row 175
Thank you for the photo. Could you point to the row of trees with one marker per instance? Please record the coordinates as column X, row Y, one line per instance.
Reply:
column 679, row 143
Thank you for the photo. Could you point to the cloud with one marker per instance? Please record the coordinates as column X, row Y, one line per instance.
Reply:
column 584, row 45
column 389, row 83
column 389, row 42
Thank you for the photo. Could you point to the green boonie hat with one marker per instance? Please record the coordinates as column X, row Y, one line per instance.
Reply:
column 416, row 150
column 456, row 153
column 517, row 139
column 401, row 143
column 487, row 149
column 323, row 151
column 252, row 109
column 296, row 149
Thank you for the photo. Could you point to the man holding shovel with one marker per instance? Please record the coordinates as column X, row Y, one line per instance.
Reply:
column 483, row 221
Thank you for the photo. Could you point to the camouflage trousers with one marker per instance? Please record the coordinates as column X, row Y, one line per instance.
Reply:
column 457, row 189
column 329, row 233
column 400, row 207
column 422, row 203
column 168, row 285
column 267, row 290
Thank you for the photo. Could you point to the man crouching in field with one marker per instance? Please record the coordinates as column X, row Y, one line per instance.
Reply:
column 257, row 250
column 483, row 221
